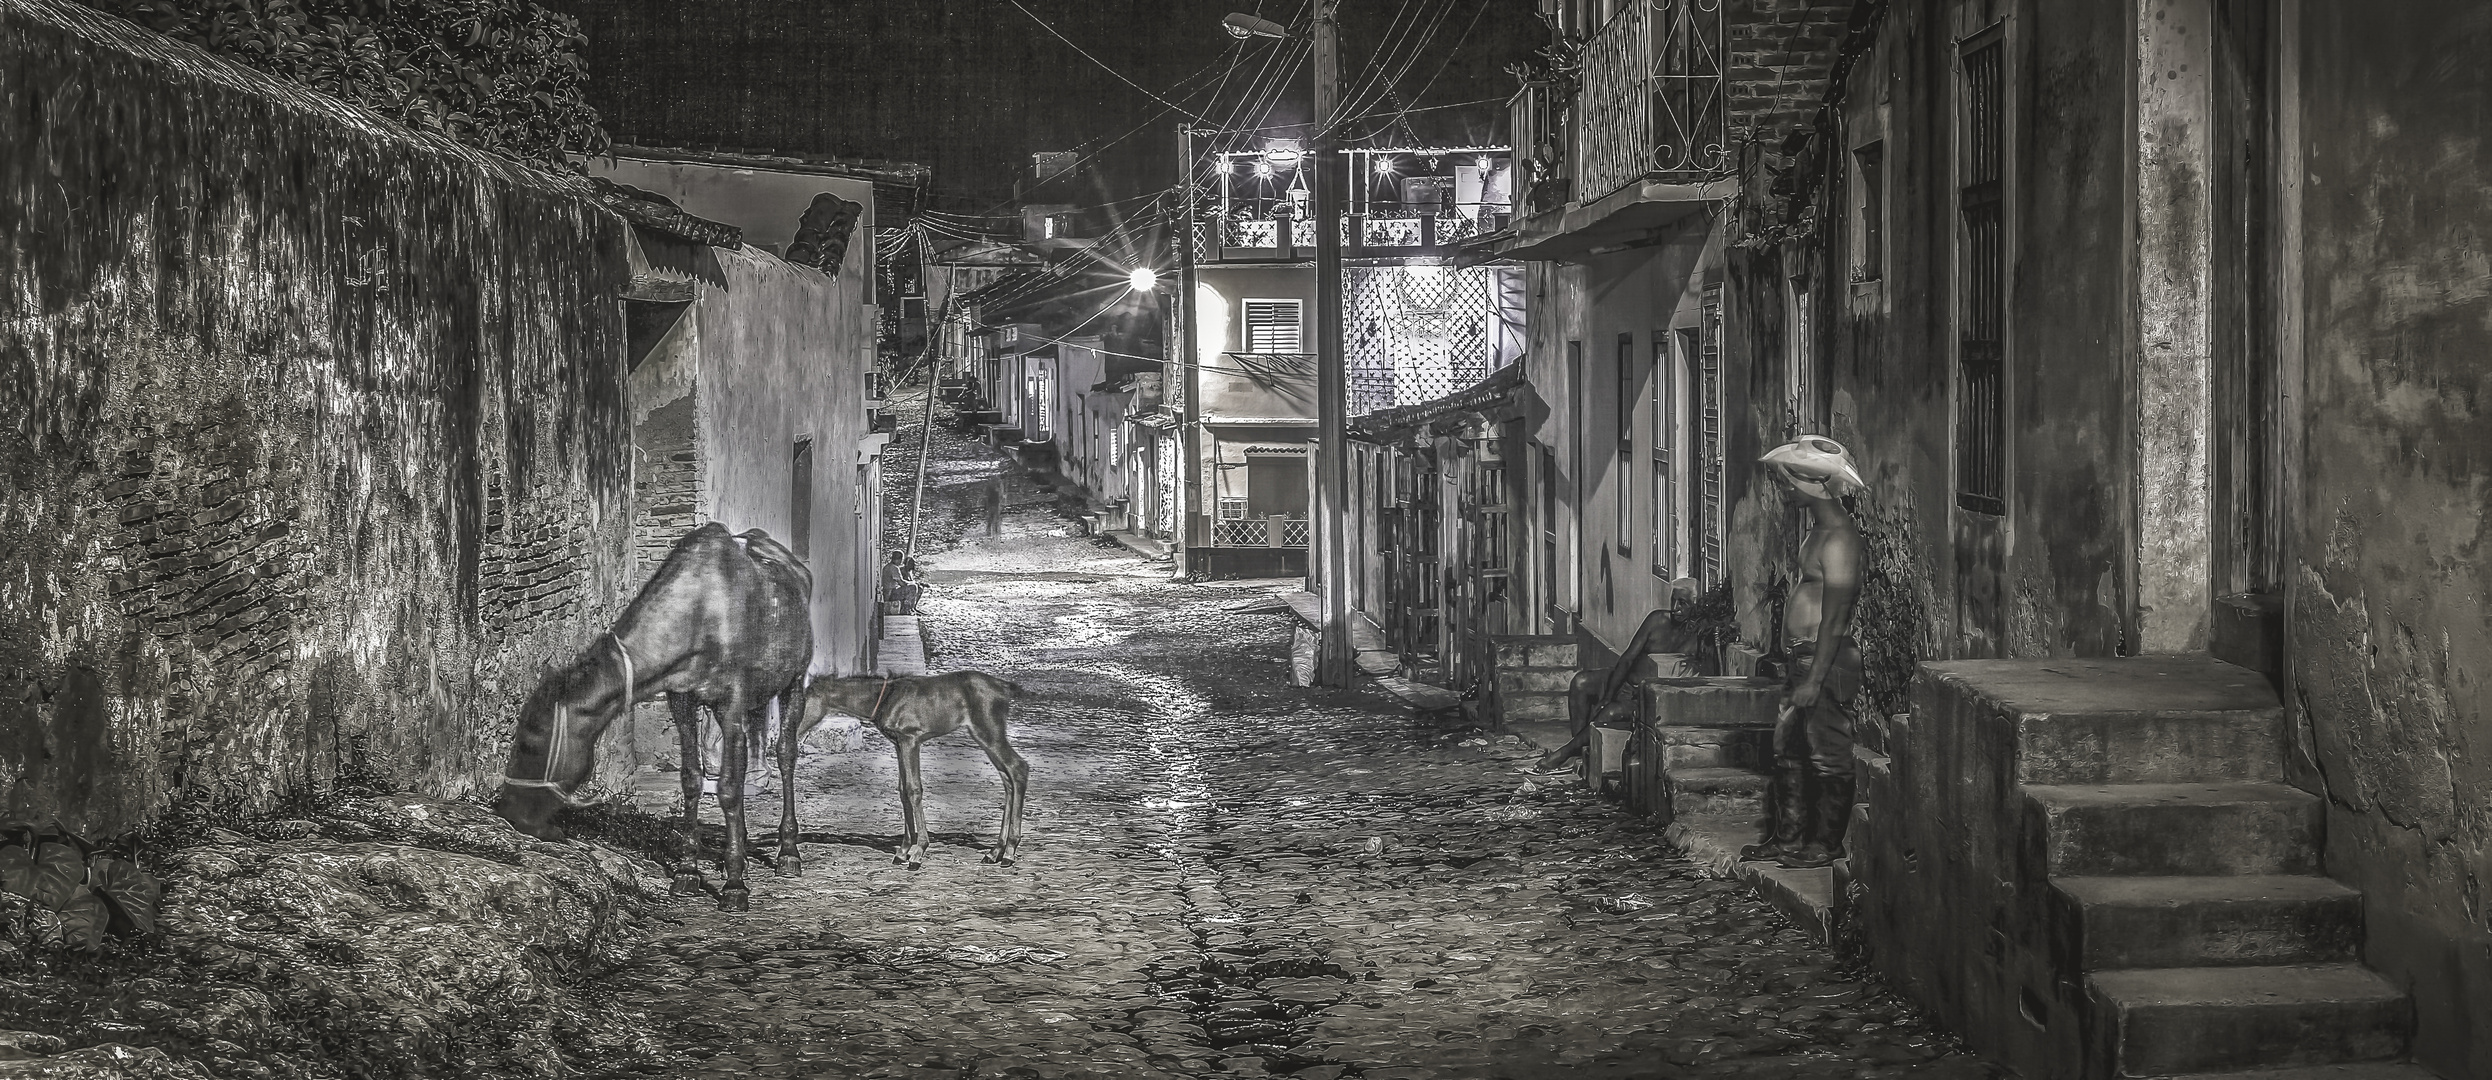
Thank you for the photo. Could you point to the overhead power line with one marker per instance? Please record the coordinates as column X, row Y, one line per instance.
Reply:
column 1103, row 65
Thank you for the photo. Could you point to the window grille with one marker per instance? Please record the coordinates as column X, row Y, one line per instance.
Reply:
column 1667, row 425
column 1275, row 326
column 1981, row 447
column 1869, row 239
column 1622, row 476
column 1232, row 508
column 1548, row 530
column 1709, row 434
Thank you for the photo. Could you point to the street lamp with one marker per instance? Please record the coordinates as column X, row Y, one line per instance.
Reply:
column 1142, row 278
column 1242, row 26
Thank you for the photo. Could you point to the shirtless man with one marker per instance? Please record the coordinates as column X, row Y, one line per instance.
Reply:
column 1593, row 695
column 1810, row 799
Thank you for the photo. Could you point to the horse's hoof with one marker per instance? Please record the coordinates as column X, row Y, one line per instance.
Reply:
column 687, row 885
column 992, row 857
column 791, row 864
column 732, row 898
column 899, row 860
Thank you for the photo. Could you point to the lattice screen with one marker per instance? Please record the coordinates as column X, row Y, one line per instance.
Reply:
column 1414, row 333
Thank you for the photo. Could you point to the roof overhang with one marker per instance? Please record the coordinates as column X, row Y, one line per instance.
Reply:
column 1639, row 215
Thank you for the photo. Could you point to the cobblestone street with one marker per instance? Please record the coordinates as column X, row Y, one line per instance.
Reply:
column 1225, row 875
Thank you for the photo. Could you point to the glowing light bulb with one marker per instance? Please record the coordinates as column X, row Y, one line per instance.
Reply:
column 1142, row 278
column 1384, row 165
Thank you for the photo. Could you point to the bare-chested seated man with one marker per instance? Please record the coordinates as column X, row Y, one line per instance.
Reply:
column 1810, row 799
column 1593, row 695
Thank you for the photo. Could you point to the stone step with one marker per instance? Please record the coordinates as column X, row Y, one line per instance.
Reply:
column 1683, row 748
column 2173, row 829
column 2175, row 747
column 1738, row 794
column 2209, row 1019
column 1528, row 705
column 1534, row 680
column 2373, row 1070
column 1525, row 651
column 1710, row 702
column 1662, row 666
column 2161, row 922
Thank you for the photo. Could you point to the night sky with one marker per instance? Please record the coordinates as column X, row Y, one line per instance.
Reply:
column 972, row 88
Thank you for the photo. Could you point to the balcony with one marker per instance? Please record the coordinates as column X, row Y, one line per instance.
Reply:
column 1401, row 203
column 1652, row 102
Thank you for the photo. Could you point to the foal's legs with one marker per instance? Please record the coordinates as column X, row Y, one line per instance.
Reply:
column 733, row 716
column 687, row 871
column 987, row 725
column 791, row 728
column 913, row 838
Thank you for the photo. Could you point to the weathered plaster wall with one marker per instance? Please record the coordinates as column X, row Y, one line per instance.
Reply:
column 313, row 433
column 1220, row 323
column 783, row 357
column 2174, row 347
column 2390, row 632
column 1639, row 294
column 2050, row 579
column 2065, row 591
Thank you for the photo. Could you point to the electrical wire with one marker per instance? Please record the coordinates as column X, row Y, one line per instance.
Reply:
column 1103, row 66
column 1440, row 72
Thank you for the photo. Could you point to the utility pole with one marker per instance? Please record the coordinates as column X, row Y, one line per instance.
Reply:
column 1181, row 349
column 1332, row 398
column 925, row 433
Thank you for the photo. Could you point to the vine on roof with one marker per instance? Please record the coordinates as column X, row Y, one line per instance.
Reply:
column 500, row 75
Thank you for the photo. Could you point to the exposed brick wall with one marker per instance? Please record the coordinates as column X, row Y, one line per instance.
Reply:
column 1782, row 52
column 312, row 433
column 668, row 479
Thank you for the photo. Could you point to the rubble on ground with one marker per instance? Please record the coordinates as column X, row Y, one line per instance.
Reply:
column 382, row 936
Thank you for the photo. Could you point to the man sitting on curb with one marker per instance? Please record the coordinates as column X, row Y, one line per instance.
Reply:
column 1810, row 797
column 1593, row 695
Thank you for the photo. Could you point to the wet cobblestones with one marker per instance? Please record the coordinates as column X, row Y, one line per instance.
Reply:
column 1225, row 876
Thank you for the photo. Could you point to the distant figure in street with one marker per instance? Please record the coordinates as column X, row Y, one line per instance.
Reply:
column 995, row 508
column 1810, row 798
column 1593, row 695
column 900, row 585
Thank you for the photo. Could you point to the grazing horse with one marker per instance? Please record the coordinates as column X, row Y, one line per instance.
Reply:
column 908, row 710
column 722, row 623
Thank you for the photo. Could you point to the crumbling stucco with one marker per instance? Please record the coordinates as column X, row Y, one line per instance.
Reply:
column 2390, row 632
column 312, row 432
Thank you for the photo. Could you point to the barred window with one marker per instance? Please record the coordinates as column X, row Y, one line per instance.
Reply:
column 1981, row 317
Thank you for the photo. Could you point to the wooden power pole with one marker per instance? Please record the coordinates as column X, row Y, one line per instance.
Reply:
column 1332, row 398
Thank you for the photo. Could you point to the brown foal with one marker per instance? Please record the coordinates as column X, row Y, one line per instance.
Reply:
column 908, row 710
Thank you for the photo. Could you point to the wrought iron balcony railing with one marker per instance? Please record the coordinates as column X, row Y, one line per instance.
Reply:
column 1652, row 102
column 1542, row 161
column 1399, row 201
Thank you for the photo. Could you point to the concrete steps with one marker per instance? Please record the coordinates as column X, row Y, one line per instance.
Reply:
column 2179, row 879
column 1532, row 675
column 2365, row 1071
column 2173, row 1020
column 1749, row 748
column 2176, row 829
column 1738, row 794
column 2215, row 921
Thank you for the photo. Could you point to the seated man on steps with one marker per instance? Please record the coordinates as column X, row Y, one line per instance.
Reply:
column 1593, row 695
column 1810, row 796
